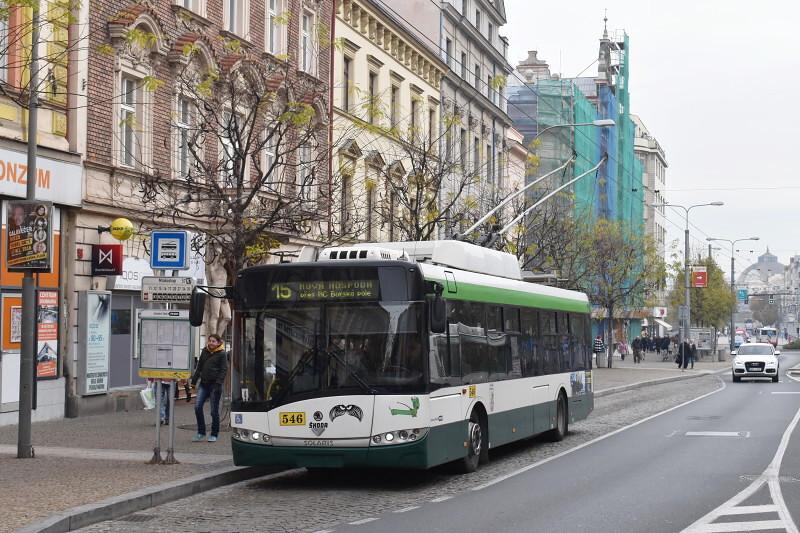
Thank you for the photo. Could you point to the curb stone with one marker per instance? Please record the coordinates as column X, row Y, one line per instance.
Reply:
column 117, row 506
column 640, row 384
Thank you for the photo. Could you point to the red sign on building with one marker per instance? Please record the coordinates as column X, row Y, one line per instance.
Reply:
column 106, row 259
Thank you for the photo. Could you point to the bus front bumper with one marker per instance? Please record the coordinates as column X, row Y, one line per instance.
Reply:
column 411, row 455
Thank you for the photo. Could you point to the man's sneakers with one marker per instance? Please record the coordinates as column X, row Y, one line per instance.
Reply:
column 212, row 438
column 198, row 438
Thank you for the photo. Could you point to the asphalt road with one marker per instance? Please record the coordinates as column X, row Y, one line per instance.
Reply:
column 708, row 464
column 678, row 471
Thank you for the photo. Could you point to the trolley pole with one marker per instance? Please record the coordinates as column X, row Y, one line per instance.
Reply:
column 28, row 350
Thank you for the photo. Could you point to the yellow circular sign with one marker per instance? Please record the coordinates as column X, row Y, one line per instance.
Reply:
column 121, row 229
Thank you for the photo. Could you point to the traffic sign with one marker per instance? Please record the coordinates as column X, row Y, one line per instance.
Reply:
column 169, row 250
column 741, row 295
column 167, row 289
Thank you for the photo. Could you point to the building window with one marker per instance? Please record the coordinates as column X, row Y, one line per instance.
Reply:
column 490, row 33
column 463, row 65
column 270, row 169
column 476, row 155
column 373, row 97
column 414, row 114
column 345, row 201
column 275, row 27
column 448, row 50
column 197, row 6
column 236, row 17
column 489, row 164
column 477, row 76
column 4, row 47
column 230, row 152
column 347, row 72
column 307, row 43
column 432, row 133
column 462, row 148
column 478, row 19
column 129, row 122
column 489, row 92
column 395, row 105
column 184, row 123
column 306, row 174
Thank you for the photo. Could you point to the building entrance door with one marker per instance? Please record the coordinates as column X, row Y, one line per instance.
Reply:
column 10, row 344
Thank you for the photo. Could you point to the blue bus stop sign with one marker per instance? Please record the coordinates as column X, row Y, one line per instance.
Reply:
column 169, row 250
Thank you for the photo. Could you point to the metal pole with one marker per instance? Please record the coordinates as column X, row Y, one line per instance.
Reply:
column 156, row 459
column 170, row 460
column 687, row 294
column 735, row 301
column 28, row 348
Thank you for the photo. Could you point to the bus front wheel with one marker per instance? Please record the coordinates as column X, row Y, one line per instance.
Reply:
column 475, row 445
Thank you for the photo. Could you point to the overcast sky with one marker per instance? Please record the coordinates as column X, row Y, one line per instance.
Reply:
column 716, row 82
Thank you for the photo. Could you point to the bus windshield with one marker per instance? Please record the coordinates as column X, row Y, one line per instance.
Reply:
column 294, row 353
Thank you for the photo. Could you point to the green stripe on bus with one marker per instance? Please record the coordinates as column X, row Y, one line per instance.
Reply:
column 495, row 295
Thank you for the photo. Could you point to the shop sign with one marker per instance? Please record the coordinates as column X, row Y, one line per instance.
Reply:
column 29, row 245
column 57, row 181
column 106, row 259
column 135, row 269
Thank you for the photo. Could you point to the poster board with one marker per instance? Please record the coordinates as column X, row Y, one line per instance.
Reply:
column 94, row 341
column 165, row 344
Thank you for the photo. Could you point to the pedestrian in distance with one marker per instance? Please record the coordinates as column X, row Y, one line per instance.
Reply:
column 598, row 347
column 692, row 353
column 685, row 354
column 211, row 370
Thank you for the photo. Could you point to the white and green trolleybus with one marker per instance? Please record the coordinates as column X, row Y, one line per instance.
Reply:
column 409, row 354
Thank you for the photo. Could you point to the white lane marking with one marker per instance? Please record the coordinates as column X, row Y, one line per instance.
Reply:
column 363, row 521
column 441, row 499
column 524, row 469
column 753, row 509
column 785, row 392
column 768, row 477
column 407, row 509
column 741, row 526
column 672, row 434
column 744, row 434
column 325, row 531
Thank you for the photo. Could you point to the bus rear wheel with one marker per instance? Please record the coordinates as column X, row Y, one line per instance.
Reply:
column 475, row 445
column 562, row 423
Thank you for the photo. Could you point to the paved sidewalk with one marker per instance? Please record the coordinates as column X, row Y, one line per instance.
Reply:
column 85, row 460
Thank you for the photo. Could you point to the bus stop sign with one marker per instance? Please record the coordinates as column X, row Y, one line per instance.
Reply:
column 169, row 250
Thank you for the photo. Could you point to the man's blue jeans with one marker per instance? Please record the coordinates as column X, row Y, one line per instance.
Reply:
column 204, row 392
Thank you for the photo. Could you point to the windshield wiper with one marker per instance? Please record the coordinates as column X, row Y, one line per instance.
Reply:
column 364, row 385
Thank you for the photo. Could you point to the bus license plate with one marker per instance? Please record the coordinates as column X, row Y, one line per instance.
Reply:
column 292, row 418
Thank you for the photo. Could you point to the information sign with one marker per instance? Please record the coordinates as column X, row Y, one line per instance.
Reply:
column 157, row 289
column 165, row 344
column 169, row 250
column 741, row 295
column 94, row 338
column 699, row 277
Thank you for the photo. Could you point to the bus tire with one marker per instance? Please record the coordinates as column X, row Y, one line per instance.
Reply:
column 475, row 445
column 562, row 420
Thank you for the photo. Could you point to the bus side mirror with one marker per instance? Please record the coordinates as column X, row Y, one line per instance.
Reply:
column 197, row 307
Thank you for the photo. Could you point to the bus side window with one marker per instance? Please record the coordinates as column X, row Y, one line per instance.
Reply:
column 445, row 364
column 529, row 346
column 496, row 353
column 549, row 335
column 576, row 329
column 512, row 330
column 468, row 318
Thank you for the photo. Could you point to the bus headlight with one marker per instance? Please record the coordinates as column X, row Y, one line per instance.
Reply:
column 401, row 436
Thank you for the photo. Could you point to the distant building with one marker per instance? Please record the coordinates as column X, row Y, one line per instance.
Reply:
column 765, row 276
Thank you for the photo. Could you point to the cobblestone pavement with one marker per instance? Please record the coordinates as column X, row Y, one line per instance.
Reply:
column 70, row 468
column 311, row 501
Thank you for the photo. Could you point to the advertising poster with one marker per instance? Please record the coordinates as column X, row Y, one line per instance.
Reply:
column 97, row 341
column 47, row 335
column 16, row 324
column 29, row 243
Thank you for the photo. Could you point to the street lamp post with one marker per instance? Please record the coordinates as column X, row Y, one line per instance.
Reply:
column 733, row 290
column 687, row 294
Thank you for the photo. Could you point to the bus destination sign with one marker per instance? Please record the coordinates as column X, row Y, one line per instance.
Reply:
column 323, row 290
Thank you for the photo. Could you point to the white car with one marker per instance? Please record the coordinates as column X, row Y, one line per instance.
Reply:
column 755, row 360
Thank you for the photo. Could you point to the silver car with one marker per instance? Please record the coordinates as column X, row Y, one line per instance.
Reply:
column 755, row 360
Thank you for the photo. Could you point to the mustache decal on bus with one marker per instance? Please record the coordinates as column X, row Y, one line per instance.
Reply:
column 341, row 410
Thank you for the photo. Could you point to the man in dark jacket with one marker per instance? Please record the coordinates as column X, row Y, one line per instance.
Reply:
column 211, row 370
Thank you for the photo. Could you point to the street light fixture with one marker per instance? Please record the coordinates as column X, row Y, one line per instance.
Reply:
column 600, row 123
column 687, row 293
column 732, row 242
